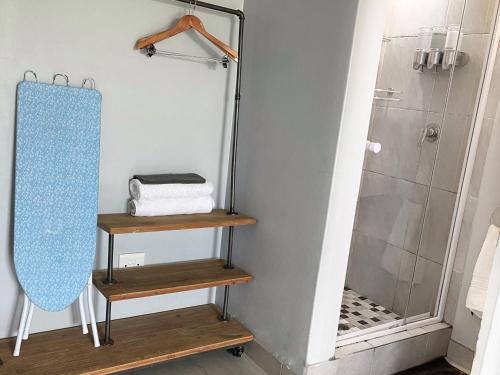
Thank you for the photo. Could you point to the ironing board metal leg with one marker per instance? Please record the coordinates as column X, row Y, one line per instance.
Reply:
column 92, row 314
column 107, row 327
column 82, row 313
column 22, row 325
column 28, row 320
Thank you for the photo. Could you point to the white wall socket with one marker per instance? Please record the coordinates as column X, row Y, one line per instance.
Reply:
column 131, row 260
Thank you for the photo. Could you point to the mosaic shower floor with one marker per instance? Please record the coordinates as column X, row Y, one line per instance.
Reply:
column 359, row 312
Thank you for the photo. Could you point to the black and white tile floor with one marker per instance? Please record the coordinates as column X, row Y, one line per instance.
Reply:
column 359, row 312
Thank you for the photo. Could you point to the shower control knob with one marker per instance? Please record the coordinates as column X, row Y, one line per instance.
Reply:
column 431, row 133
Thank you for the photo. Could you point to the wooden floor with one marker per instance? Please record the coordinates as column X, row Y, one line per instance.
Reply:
column 125, row 223
column 139, row 341
column 168, row 278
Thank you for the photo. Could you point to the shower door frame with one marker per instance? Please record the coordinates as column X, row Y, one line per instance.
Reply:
column 458, row 213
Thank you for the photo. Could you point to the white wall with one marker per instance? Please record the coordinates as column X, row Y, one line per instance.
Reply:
column 158, row 115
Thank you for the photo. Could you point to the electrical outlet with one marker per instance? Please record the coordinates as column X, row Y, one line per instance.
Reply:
column 131, row 260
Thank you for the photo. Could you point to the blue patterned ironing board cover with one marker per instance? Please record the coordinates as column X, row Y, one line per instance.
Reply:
column 56, row 190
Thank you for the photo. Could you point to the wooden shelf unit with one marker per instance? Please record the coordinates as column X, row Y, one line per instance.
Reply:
column 124, row 223
column 139, row 341
column 123, row 284
column 160, row 279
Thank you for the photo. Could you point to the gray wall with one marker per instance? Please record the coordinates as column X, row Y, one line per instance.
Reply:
column 158, row 115
column 296, row 68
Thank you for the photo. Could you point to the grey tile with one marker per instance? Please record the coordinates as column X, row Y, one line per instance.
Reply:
column 374, row 268
column 325, row 368
column 437, row 344
column 391, row 210
column 407, row 16
column 214, row 363
column 465, row 83
column 389, row 339
column 435, row 327
column 347, row 350
column 437, row 225
column 460, row 355
column 399, row 356
column 465, row 234
column 396, row 72
column 453, row 142
column 425, row 287
column 404, row 281
column 402, row 156
column 478, row 15
column 482, row 152
column 359, row 363
column 452, row 297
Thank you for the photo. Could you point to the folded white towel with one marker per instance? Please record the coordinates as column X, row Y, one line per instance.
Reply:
column 174, row 206
column 141, row 191
column 476, row 297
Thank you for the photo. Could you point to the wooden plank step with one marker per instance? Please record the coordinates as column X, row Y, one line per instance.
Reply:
column 125, row 223
column 168, row 278
column 139, row 341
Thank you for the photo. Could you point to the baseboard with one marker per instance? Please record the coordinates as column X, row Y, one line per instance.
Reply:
column 266, row 360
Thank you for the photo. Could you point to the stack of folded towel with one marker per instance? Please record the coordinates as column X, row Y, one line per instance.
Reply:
column 170, row 194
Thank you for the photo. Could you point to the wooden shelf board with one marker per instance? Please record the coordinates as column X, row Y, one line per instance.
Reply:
column 168, row 278
column 139, row 341
column 125, row 223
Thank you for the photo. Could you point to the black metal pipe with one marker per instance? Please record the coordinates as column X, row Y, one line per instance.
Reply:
column 111, row 245
column 229, row 257
column 218, row 8
column 236, row 119
column 225, row 314
column 107, row 326
column 234, row 154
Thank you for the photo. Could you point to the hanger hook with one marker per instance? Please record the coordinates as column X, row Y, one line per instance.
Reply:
column 193, row 7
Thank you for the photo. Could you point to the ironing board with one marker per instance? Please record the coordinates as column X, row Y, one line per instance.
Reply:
column 56, row 188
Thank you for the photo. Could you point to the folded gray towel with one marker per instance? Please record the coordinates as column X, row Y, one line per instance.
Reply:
column 170, row 178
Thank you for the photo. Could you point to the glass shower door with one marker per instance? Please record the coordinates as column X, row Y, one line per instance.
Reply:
column 421, row 117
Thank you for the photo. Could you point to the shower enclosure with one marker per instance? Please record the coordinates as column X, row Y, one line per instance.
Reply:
column 429, row 78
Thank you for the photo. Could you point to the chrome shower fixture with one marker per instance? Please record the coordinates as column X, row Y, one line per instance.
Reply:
column 439, row 47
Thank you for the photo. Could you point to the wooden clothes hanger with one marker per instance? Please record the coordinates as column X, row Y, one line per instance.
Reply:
column 186, row 23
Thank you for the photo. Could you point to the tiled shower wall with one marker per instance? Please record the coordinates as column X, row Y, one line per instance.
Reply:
column 473, row 229
column 398, row 182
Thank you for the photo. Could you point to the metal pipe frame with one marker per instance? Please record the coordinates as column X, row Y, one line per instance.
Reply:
column 218, row 8
column 111, row 246
column 235, row 129
column 107, row 328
